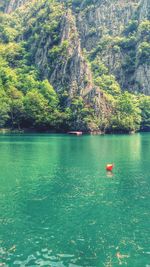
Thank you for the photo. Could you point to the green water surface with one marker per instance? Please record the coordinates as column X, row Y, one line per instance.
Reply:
column 60, row 208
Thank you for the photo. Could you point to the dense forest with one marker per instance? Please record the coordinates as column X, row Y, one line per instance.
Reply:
column 56, row 77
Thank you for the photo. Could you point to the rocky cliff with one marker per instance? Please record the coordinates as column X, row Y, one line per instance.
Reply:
column 60, row 58
column 104, row 17
column 88, row 49
column 91, row 22
column 10, row 6
column 107, row 20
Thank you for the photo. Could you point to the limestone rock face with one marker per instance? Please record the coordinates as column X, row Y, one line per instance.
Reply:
column 109, row 18
column 13, row 4
column 73, row 68
column 104, row 17
column 70, row 69
column 142, row 77
column 84, row 29
column 144, row 10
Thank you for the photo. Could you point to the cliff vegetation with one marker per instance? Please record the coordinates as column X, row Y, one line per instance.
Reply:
column 75, row 65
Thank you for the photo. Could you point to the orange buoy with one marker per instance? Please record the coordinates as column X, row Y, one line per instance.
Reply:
column 109, row 167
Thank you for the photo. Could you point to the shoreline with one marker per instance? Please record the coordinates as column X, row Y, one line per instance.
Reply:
column 35, row 131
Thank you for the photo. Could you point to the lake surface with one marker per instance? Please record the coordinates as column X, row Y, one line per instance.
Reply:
column 60, row 208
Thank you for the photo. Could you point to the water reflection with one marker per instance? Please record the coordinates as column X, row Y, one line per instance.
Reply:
column 109, row 174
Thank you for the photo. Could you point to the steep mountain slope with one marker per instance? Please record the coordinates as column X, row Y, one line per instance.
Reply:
column 99, row 23
column 88, row 50
column 103, row 31
column 9, row 6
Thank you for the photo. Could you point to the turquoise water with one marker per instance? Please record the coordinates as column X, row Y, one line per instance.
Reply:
column 59, row 207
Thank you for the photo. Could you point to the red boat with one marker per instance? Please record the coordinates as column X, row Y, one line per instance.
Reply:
column 109, row 167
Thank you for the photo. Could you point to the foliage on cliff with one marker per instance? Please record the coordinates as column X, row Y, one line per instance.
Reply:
column 27, row 97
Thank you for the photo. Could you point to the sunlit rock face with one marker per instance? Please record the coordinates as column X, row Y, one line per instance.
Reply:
column 13, row 4
column 84, row 27
column 69, row 70
column 144, row 10
column 142, row 77
column 104, row 17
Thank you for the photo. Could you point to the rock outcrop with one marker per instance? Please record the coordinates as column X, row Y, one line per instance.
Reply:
column 144, row 10
column 104, row 17
column 70, row 69
column 11, row 5
column 84, row 28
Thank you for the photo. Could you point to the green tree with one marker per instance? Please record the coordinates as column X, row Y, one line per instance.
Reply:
column 16, row 112
column 108, row 84
column 127, row 115
column 144, row 53
column 145, row 112
column 144, row 31
column 49, row 93
column 36, row 109
column 4, row 108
